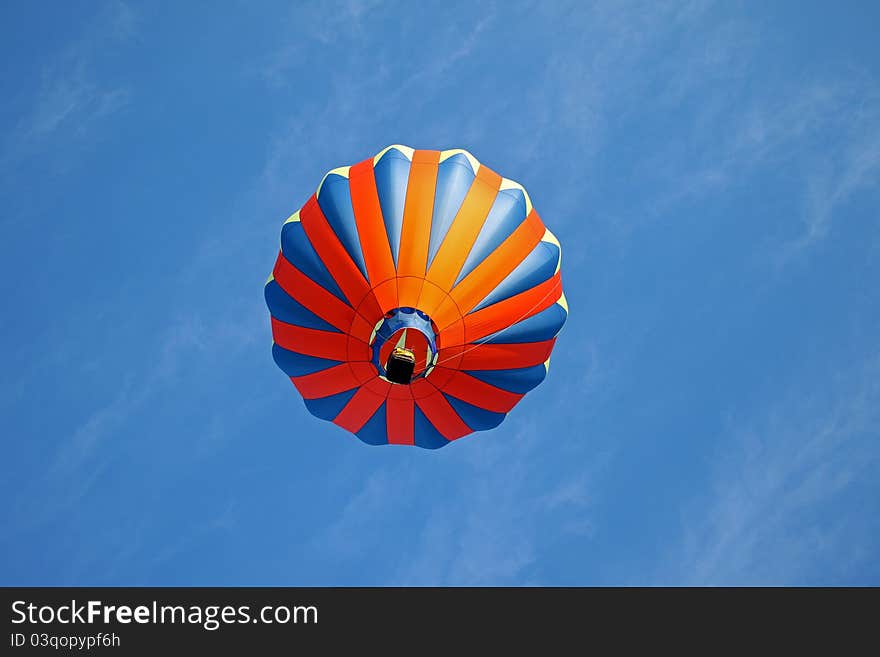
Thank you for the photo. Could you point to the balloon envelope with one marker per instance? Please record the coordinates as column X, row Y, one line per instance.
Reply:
column 422, row 267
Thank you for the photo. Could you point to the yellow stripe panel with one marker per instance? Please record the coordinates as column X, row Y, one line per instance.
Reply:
column 562, row 301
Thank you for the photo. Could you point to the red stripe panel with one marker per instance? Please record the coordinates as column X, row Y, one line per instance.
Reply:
column 439, row 376
column 361, row 329
column 378, row 386
column 326, row 382
column 451, row 336
column 364, row 372
column 311, row 295
column 358, row 350
column 311, row 342
column 335, row 257
column 506, row 356
column 359, row 409
column 505, row 313
column 483, row 395
column 444, row 418
column 400, row 416
column 449, row 358
column 421, row 388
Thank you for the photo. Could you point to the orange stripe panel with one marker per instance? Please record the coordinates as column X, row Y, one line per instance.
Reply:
column 505, row 313
column 311, row 295
column 371, row 227
column 447, row 313
column 416, row 230
column 506, row 356
column 408, row 290
column 386, row 296
column 451, row 336
column 498, row 264
column 430, row 298
column 462, row 234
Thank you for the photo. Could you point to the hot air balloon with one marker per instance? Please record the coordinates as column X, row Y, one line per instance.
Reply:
column 416, row 297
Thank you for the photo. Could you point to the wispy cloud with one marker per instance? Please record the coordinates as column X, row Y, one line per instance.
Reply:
column 312, row 23
column 822, row 133
column 637, row 70
column 794, row 493
column 826, row 132
column 830, row 188
column 488, row 530
column 82, row 457
column 497, row 528
column 71, row 99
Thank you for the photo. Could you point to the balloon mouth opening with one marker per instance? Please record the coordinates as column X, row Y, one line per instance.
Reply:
column 404, row 345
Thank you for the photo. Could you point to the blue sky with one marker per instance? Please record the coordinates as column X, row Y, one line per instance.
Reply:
column 712, row 171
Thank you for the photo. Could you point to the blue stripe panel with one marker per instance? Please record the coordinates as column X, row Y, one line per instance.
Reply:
column 375, row 431
column 425, row 434
column 537, row 328
column 519, row 380
column 478, row 419
column 454, row 179
column 327, row 408
column 335, row 202
column 508, row 211
column 537, row 267
column 392, row 176
column 294, row 364
column 298, row 250
column 290, row 311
